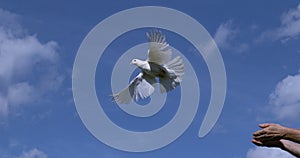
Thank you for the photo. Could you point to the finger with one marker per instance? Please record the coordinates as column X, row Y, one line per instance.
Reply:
column 259, row 132
column 264, row 125
column 267, row 137
column 263, row 138
column 256, row 142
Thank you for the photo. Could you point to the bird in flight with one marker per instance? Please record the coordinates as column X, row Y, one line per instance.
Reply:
column 158, row 65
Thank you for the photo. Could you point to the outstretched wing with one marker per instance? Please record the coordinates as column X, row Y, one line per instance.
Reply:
column 141, row 86
column 175, row 69
column 159, row 51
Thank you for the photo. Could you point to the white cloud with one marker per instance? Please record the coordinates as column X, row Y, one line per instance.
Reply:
column 20, row 93
column 285, row 100
column 225, row 36
column 289, row 28
column 33, row 153
column 3, row 107
column 290, row 22
column 10, row 20
column 27, row 66
column 20, row 54
column 264, row 152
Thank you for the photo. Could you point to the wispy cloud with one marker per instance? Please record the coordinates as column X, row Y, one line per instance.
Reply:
column 285, row 100
column 3, row 106
column 224, row 34
column 289, row 28
column 10, row 20
column 225, row 38
column 27, row 66
column 258, row 152
column 33, row 153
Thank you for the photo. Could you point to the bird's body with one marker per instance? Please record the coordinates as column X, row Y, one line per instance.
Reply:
column 153, row 69
column 158, row 65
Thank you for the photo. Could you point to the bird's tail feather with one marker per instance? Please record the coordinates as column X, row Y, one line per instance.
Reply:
column 175, row 70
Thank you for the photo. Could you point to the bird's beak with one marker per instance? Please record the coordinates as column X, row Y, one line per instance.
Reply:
column 131, row 63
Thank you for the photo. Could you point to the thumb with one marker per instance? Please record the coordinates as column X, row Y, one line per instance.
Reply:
column 264, row 125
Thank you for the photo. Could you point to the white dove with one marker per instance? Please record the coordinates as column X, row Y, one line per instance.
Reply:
column 158, row 64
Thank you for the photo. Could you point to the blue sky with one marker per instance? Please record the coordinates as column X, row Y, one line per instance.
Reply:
column 258, row 40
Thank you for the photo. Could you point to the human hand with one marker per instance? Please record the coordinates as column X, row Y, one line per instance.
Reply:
column 269, row 133
column 275, row 135
column 270, row 143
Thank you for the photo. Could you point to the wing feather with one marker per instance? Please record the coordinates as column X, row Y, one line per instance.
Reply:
column 159, row 51
column 140, row 87
column 175, row 70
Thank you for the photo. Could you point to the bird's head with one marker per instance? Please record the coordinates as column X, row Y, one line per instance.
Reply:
column 136, row 62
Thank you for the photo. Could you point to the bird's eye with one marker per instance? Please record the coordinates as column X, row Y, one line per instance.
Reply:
column 134, row 60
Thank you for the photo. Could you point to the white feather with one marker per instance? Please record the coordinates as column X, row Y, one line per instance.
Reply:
column 159, row 51
column 158, row 64
column 140, row 86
